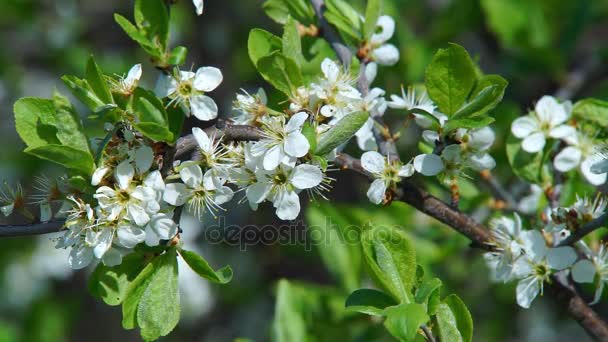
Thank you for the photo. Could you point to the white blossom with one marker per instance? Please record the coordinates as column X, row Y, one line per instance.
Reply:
column 547, row 121
column 381, row 52
column 581, row 153
column 592, row 269
column 282, row 143
column 537, row 264
column 283, row 186
column 385, row 172
column 188, row 90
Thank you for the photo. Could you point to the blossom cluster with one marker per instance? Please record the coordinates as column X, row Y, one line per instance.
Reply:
column 532, row 256
column 550, row 120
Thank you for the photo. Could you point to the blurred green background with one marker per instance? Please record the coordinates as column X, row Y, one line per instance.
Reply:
column 534, row 44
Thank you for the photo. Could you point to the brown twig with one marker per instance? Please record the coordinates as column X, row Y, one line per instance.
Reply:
column 39, row 228
column 585, row 230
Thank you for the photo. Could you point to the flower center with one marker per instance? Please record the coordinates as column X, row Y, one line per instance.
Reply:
column 185, row 89
column 123, row 196
column 279, row 179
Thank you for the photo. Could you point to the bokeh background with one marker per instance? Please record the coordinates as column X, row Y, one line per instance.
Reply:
column 535, row 44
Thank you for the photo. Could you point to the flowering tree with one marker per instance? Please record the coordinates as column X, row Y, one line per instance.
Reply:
column 127, row 186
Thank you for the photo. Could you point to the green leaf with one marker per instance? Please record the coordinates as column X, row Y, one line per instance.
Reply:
column 134, row 33
column 450, row 78
column 69, row 127
column 83, row 92
column 592, row 110
column 454, row 320
column 372, row 13
column 202, row 268
column 403, row 321
column 428, row 293
column 97, row 82
column 262, row 43
column 176, row 118
column 152, row 117
column 525, row 165
column 111, row 283
column 369, row 301
column 134, row 293
column 337, row 242
column 291, row 43
column 152, row 19
column 67, row 156
column 280, row 71
column 35, row 121
column 178, row 55
column 288, row 324
column 159, row 307
column 344, row 26
column 277, row 10
column 485, row 100
column 342, row 132
column 311, row 135
column 392, row 260
column 478, row 122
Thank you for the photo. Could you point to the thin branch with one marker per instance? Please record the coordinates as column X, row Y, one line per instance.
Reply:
column 329, row 33
column 585, row 230
column 427, row 333
column 39, row 228
column 223, row 130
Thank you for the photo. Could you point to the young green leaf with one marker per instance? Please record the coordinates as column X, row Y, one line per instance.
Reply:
column 277, row 10
column 262, row 43
column 342, row 132
column 35, row 121
column 152, row 19
column 134, row 33
column 454, row 320
column 280, row 71
column 83, row 92
column 392, row 260
column 67, row 156
column 97, row 82
column 372, row 13
column 592, row 110
column 202, row 268
column 311, row 135
column 159, row 307
column 369, row 301
column 69, row 127
column 134, row 293
column 450, row 78
column 427, row 294
column 152, row 117
column 177, row 55
column 403, row 321
column 291, row 43
column 471, row 123
column 491, row 90
column 111, row 283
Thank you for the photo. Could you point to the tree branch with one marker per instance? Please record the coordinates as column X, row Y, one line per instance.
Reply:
column 329, row 33
column 586, row 229
column 38, row 228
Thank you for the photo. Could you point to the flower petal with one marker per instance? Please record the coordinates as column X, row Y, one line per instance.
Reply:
column 306, row 176
column 202, row 139
column 376, row 191
column 550, row 111
column 387, row 54
column 163, row 226
column 296, row 122
column 273, row 157
column 527, row 290
column 203, row 107
column 592, row 177
column 583, row 271
column 567, row 159
column 563, row 132
column 524, row 126
column 176, row 194
column 373, row 162
column 257, row 192
column 98, row 175
column 80, row 257
column 129, row 236
column 288, row 205
column 533, row 143
column 123, row 174
column 296, row 145
column 428, row 164
column 406, row 170
column 207, row 78
column 143, row 159
column 104, row 242
column 387, row 29
column 191, row 175
column 560, row 258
